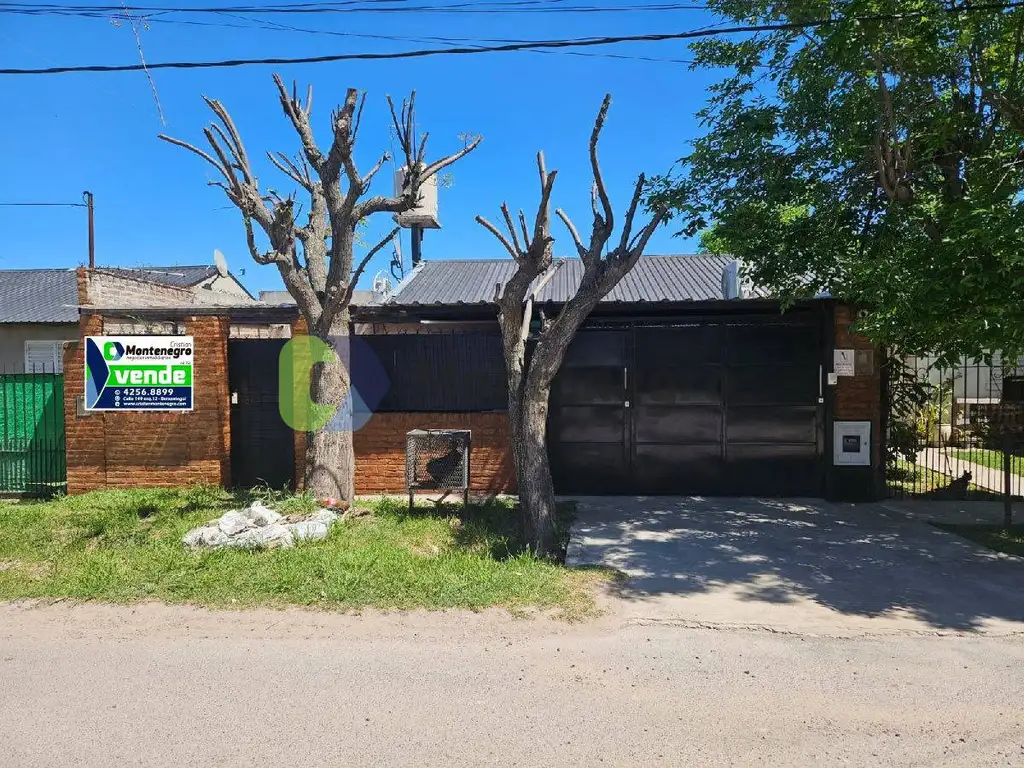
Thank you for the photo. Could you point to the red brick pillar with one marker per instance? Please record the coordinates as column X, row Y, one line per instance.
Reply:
column 858, row 398
column 84, row 436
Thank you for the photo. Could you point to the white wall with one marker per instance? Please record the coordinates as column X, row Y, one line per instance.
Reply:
column 972, row 378
column 14, row 335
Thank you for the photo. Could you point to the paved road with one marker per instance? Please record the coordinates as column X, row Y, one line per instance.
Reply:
column 154, row 685
column 804, row 566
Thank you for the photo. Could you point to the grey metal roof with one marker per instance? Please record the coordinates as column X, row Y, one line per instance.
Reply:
column 38, row 296
column 178, row 277
column 675, row 278
column 359, row 298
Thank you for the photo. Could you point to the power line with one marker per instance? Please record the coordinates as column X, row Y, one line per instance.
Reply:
column 273, row 26
column 43, row 205
column 509, row 47
column 350, row 7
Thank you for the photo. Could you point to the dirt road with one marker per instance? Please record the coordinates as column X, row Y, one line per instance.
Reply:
column 157, row 685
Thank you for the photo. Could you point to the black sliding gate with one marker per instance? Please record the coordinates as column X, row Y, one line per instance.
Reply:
column 262, row 445
column 728, row 405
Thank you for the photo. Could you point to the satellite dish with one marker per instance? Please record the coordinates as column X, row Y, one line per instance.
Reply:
column 382, row 283
column 220, row 262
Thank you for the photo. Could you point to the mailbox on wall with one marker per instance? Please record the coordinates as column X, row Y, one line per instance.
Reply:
column 852, row 443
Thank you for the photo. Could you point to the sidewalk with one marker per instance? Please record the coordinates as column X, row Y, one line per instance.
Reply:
column 941, row 460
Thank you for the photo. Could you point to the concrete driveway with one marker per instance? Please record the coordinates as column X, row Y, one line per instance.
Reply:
column 795, row 566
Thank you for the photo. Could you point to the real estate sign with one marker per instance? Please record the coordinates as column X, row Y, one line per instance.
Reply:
column 138, row 373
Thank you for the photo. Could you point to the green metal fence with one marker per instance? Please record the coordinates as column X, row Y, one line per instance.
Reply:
column 32, row 451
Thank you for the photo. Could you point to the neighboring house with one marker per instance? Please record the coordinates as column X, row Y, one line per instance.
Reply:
column 39, row 307
column 38, row 313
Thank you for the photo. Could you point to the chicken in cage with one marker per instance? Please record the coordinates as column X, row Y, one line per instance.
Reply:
column 437, row 460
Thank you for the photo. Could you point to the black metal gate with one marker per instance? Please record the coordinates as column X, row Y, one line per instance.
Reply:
column 262, row 445
column 724, row 405
column 947, row 435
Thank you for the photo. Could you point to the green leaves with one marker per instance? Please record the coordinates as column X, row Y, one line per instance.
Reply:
column 880, row 159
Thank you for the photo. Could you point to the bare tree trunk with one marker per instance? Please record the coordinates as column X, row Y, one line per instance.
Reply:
column 530, row 382
column 330, row 457
column 529, row 425
column 321, row 279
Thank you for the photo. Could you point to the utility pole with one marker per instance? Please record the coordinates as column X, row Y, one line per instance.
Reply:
column 87, row 196
column 416, row 233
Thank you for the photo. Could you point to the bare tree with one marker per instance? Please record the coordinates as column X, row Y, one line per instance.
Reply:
column 317, row 260
column 530, row 378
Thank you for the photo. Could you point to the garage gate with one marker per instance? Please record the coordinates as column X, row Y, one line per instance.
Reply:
column 717, row 406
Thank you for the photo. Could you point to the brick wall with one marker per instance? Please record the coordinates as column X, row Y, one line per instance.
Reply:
column 380, row 449
column 104, row 289
column 858, row 398
column 119, row 450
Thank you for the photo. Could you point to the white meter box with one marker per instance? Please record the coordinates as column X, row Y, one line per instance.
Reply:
column 851, row 443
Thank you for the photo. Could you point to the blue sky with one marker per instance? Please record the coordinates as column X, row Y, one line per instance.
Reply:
column 66, row 133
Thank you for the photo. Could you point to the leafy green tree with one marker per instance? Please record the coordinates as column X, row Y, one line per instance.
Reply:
column 878, row 156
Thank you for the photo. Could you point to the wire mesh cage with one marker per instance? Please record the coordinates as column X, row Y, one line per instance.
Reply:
column 437, row 460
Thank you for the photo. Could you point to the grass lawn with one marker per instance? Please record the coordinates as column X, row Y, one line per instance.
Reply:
column 988, row 458
column 909, row 479
column 126, row 545
column 1000, row 539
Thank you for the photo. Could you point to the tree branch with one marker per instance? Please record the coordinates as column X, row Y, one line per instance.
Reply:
column 580, row 248
column 513, row 252
column 270, row 257
column 595, row 135
column 627, row 227
column 196, row 151
column 512, row 231
column 373, row 171
column 342, row 300
column 542, row 224
column 444, row 162
column 299, row 118
column 288, row 167
column 233, row 140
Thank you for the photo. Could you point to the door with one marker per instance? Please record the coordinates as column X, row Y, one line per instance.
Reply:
column 587, row 435
column 716, row 406
column 678, row 410
column 773, row 417
column 262, row 445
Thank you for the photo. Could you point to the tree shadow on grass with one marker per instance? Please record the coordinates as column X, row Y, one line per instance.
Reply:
column 494, row 526
column 858, row 560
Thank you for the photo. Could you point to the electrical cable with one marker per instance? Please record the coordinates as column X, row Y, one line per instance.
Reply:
column 510, row 47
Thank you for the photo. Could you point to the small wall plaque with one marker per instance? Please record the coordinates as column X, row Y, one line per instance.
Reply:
column 843, row 362
column 863, row 362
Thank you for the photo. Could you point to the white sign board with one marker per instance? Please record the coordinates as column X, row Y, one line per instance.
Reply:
column 843, row 362
column 138, row 373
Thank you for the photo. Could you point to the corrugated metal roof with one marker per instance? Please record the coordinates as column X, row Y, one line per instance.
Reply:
column 359, row 298
column 674, row 278
column 38, row 296
column 51, row 295
column 178, row 277
column 454, row 282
